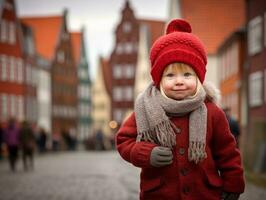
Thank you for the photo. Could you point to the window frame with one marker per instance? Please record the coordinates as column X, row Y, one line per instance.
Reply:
column 255, row 90
column 12, row 33
column 255, row 34
column 4, row 31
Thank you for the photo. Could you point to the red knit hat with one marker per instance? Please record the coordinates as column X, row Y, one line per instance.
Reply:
column 177, row 45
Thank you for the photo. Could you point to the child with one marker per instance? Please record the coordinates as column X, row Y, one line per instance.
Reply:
column 177, row 135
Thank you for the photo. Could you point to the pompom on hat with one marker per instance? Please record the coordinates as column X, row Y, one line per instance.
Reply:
column 177, row 45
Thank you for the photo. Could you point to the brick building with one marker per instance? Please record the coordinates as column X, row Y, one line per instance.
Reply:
column 13, row 71
column 53, row 43
column 256, row 70
column 231, row 59
column 123, row 64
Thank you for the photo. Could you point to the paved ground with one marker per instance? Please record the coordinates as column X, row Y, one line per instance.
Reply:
column 80, row 176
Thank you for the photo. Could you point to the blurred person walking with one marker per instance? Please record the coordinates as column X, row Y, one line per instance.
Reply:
column 1, row 141
column 233, row 124
column 42, row 138
column 11, row 138
column 27, row 140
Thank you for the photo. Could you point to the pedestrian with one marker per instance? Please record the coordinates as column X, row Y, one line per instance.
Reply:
column 42, row 138
column 66, row 137
column 233, row 124
column 11, row 138
column 1, row 140
column 27, row 141
column 55, row 141
column 99, row 140
column 177, row 134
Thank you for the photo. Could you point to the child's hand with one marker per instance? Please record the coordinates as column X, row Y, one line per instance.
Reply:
column 230, row 196
column 161, row 156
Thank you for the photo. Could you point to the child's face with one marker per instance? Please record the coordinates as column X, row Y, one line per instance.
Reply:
column 179, row 81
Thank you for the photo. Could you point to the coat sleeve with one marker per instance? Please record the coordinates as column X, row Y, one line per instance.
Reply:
column 137, row 153
column 226, row 154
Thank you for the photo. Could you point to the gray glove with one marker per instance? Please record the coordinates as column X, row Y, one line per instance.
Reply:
column 161, row 156
column 230, row 196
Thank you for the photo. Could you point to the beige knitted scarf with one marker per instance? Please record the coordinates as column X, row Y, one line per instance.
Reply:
column 153, row 124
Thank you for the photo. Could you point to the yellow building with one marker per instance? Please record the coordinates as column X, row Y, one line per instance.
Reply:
column 101, row 102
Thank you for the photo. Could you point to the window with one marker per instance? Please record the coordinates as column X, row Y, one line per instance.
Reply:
column 13, row 105
column 3, row 63
column 3, row 30
column 126, row 27
column 35, row 76
column 117, row 93
column 28, row 73
column 119, row 48
column 118, row 115
column 235, row 58
column 4, row 106
column 20, row 76
column 128, row 93
column 117, row 71
column 12, row 33
column 83, row 74
column 129, row 71
column 61, row 56
column 12, row 67
column 255, row 88
column 255, row 36
column 128, row 47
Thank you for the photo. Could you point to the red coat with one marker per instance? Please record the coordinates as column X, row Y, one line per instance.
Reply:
column 220, row 171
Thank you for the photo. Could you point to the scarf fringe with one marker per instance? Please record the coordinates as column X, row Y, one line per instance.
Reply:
column 196, row 151
column 162, row 134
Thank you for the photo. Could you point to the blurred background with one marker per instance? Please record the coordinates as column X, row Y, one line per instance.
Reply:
column 70, row 71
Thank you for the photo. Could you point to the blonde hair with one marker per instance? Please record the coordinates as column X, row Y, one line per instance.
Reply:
column 179, row 67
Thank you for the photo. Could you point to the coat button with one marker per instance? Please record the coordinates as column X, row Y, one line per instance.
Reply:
column 186, row 190
column 184, row 171
column 181, row 151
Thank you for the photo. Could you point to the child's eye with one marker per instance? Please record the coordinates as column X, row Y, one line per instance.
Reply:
column 169, row 75
column 188, row 74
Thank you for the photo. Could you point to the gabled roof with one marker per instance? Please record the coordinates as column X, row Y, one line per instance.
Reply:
column 156, row 28
column 76, row 45
column 213, row 20
column 46, row 33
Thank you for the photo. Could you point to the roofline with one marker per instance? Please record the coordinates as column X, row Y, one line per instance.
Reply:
column 240, row 31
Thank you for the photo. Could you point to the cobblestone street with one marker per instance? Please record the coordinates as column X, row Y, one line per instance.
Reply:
column 80, row 176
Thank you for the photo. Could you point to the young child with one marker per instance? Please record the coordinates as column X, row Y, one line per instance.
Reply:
column 177, row 135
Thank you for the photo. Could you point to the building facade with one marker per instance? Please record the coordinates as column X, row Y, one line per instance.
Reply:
column 64, row 84
column 256, row 70
column 44, row 95
column 30, row 74
column 231, row 58
column 53, row 44
column 101, row 100
column 12, row 66
column 84, row 85
column 122, row 63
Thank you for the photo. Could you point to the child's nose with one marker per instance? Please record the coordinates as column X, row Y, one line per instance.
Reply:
column 179, row 80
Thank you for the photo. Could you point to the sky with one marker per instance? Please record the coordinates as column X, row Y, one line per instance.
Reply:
column 98, row 17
